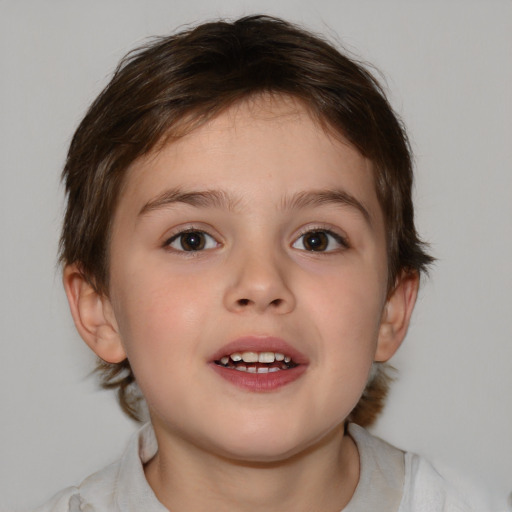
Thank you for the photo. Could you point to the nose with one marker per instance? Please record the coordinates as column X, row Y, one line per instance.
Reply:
column 260, row 284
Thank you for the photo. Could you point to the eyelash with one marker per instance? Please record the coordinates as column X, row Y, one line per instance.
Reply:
column 191, row 230
column 329, row 234
column 340, row 240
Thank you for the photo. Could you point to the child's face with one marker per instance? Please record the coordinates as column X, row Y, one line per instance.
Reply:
column 259, row 233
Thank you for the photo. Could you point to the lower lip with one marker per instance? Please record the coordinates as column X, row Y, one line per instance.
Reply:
column 260, row 382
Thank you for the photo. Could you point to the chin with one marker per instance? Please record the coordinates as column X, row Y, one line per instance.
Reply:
column 262, row 454
column 266, row 446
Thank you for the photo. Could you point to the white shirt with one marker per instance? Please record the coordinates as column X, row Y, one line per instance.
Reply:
column 389, row 480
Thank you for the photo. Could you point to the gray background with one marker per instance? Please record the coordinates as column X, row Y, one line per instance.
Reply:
column 448, row 67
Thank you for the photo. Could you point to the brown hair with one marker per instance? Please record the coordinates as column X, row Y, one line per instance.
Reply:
column 176, row 83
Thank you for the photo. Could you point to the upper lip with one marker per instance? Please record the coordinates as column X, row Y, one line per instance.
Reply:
column 260, row 344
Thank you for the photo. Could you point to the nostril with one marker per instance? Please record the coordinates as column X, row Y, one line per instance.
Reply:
column 247, row 302
column 244, row 303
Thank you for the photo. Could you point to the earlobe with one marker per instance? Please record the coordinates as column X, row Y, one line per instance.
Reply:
column 93, row 316
column 397, row 315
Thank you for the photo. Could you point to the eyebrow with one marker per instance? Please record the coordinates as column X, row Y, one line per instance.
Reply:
column 199, row 199
column 326, row 197
column 223, row 200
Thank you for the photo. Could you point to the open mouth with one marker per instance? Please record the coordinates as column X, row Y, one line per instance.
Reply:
column 257, row 362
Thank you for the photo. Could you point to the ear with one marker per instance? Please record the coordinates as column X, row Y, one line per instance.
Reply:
column 397, row 315
column 93, row 316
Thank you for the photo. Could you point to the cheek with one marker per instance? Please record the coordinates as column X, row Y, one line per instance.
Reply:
column 160, row 335
column 346, row 310
column 349, row 301
column 346, row 319
column 155, row 312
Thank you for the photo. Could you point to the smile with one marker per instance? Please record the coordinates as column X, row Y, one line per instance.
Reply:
column 257, row 362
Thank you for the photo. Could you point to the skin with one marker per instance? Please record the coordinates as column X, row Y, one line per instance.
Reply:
column 169, row 310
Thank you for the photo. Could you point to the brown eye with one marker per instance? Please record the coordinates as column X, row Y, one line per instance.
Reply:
column 190, row 241
column 320, row 241
column 315, row 241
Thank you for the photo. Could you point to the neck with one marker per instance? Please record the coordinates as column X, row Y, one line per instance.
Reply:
column 322, row 478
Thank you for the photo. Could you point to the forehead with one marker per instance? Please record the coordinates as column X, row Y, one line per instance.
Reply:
column 272, row 140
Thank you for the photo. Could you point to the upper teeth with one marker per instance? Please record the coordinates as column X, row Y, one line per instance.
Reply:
column 256, row 357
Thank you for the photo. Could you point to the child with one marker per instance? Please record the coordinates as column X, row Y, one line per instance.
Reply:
column 239, row 245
